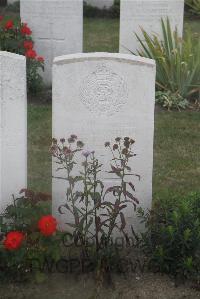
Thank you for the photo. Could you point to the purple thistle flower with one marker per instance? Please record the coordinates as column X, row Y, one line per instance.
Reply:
column 86, row 153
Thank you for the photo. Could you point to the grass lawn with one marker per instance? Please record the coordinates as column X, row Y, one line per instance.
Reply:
column 176, row 151
column 39, row 139
column 194, row 25
column 101, row 35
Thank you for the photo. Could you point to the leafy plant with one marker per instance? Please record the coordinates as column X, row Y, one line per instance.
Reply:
column 194, row 6
column 91, row 11
column 172, row 239
column 97, row 211
column 27, row 236
column 177, row 60
column 171, row 101
column 16, row 37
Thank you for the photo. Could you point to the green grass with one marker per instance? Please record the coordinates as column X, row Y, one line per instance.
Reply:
column 176, row 151
column 193, row 24
column 177, row 137
column 39, row 140
column 101, row 35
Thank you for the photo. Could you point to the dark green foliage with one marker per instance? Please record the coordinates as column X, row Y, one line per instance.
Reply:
column 170, row 100
column 177, row 62
column 23, row 215
column 12, row 40
column 95, row 12
column 172, row 240
column 193, row 6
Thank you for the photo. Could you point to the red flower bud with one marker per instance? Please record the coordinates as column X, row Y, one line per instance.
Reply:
column 25, row 30
column 40, row 59
column 28, row 44
column 13, row 240
column 9, row 24
column 31, row 54
column 47, row 225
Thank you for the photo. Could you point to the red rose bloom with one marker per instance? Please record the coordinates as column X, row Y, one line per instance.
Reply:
column 9, row 24
column 13, row 240
column 47, row 225
column 40, row 59
column 31, row 54
column 25, row 30
column 28, row 44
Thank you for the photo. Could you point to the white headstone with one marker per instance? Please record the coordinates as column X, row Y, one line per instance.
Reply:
column 98, row 97
column 13, row 129
column 147, row 14
column 100, row 3
column 57, row 27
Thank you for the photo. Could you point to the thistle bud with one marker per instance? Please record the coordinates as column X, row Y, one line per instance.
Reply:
column 74, row 136
column 62, row 140
column 118, row 139
column 71, row 140
column 125, row 151
column 66, row 151
column 80, row 144
column 54, row 140
column 107, row 143
column 115, row 146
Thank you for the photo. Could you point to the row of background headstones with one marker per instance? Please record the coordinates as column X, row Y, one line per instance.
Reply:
column 123, row 105
column 96, row 3
column 57, row 25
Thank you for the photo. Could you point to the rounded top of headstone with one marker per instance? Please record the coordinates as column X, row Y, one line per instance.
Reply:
column 80, row 57
column 12, row 55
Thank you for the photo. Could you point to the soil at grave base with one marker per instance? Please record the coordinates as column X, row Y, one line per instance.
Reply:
column 60, row 286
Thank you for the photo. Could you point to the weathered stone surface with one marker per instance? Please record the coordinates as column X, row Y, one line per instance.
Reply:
column 147, row 14
column 13, row 129
column 57, row 27
column 99, row 96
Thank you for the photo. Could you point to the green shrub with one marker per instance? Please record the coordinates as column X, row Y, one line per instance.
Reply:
column 172, row 239
column 23, row 260
column 16, row 37
column 194, row 6
column 177, row 60
column 171, row 101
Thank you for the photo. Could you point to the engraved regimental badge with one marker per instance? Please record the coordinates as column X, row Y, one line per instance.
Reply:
column 104, row 92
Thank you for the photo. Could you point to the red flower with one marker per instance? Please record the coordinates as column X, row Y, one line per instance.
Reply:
column 28, row 44
column 31, row 54
column 40, row 59
column 1, row 18
column 47, row 225
column 25, row 30
column 13, row 240
column 9, row 24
